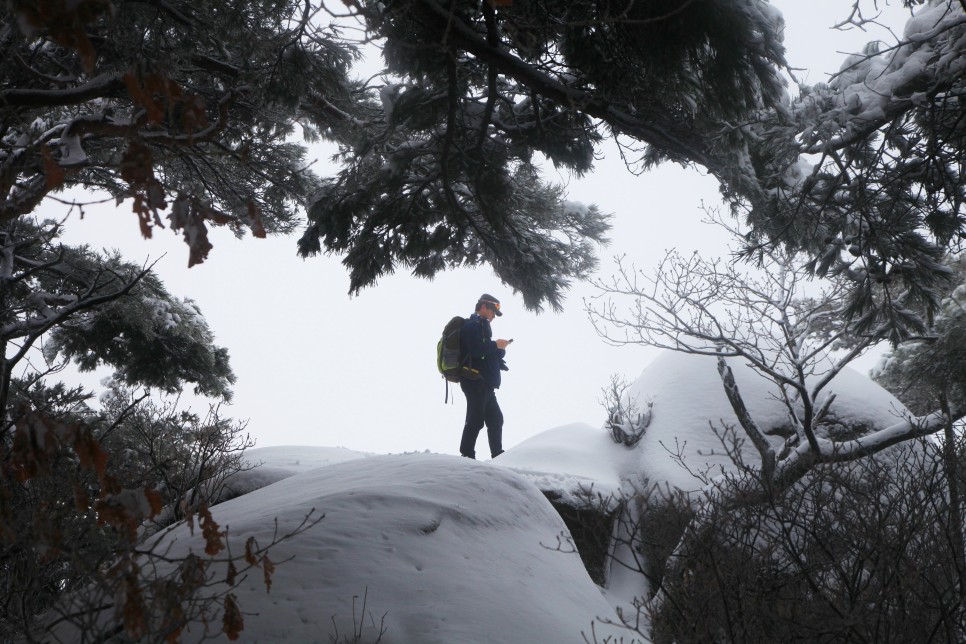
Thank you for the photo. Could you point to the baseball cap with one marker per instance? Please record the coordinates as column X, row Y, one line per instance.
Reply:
column 491, row 302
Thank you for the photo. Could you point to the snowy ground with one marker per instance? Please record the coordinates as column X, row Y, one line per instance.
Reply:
column 445, row 549
column 434, row 548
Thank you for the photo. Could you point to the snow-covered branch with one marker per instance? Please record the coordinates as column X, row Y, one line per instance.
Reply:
column 754, row 432
column 838, row 166
column 106, row 84
column 51, row 310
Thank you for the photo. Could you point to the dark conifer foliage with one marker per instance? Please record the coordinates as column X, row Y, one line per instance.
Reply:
column 444, row 172
column 96, row 309
column 184, row 109
column 188, row 111
column 81, row 488
column 881, row 200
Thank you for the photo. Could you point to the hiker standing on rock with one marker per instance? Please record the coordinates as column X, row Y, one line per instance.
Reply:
column 484, row 355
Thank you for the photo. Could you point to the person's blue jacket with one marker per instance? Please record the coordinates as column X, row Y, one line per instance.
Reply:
column 480, row 350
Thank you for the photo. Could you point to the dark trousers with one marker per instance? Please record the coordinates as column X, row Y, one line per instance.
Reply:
column 481, row 409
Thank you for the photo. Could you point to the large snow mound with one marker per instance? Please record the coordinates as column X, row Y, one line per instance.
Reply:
column 689, row 404
column 689, row 401
column 445, row 549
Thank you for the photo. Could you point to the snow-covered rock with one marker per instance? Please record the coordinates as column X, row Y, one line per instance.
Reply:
column 689, row 400
column 444, row 549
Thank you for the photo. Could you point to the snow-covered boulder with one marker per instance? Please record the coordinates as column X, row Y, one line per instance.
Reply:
column 570, row 461
column 575, row 463
column 578, row 468
column 444, row 549
column 688, row 399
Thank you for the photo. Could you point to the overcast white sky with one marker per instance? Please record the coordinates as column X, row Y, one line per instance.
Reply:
column 316, row 367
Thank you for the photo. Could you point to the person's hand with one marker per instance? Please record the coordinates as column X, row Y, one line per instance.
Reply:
column 502, row 344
